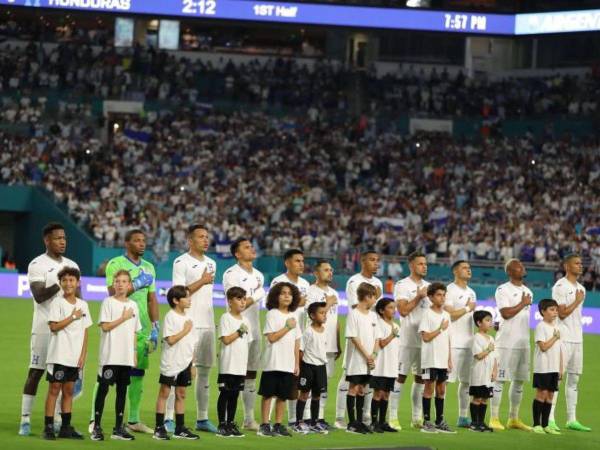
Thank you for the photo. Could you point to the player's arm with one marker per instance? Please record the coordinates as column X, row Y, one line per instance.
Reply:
column 544, row 346
column 429, row 336
column 84, row 347
column 41, row 293
column 337, row 340
column 109, row 326
column 153, row 307
column 297, row 357
column 57, row 326
column 511, row 311
column 228, row 339
column 175, row 338
column 383, row 342
column 405, row 306
column 273, row 337
column 205, row 279
column 565, row 311
column 363, row 351
column 457, row 313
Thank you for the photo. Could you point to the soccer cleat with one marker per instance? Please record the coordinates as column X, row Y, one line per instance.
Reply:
column 299, row 428
column 386, row 427
column 205, row 425
column 223, row 431
column 324, row 424
column 517, row 424
column 265, row 430
column 443, row 427
column 549, row 430
column 317, row 429
column 69, row 433
column 234, row 430
column 140, row 427
column 376, row 428
column 121, row 434
column 97, row 434
column 416, row 424
column 170, row 426
column 576, row 426
column 395, row 424
column 185, row 433
column 251, row 425
column 538, row 430
column 495, row 424
column 463, row 422
column 24, row 429
column 280, row 430
column 48, row 433
column 428, row 427
column 91, row 427
column 160, row 433
column 484, row 428
column 340, row 424
column 366, row 428
column 476, row 428
column 355, row 428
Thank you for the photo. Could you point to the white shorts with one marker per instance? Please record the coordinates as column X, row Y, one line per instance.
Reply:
column 330, row 366
column 410, row 360
column 204, row 351
column 573, row 358
column 254, row 356
column 39, row 351
column 462, row 361
column 513, row 364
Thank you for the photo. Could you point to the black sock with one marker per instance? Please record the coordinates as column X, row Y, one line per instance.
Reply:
column 160, row 420
column 439, row 410
column 232, row 406
column 222, row 406
column 474, row 413
column 179, row 422
column 426, row 409
column 546, row 407
column 49, row 421
column 383, row 405
column 300, row 405
column 482, row 410
column 66, row 419
column 120, row 404
column 99, row 403
column 374, row 411
column 315, row 402
column 350, row 405
column 360, row 404
column 537, row 413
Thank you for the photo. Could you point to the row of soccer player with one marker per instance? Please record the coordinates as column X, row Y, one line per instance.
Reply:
column 195, row 271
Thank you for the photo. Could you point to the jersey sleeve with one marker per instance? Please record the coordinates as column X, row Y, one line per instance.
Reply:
column 502, row 298
column 178, row 272
column 105, row 312
column 424, row 325
column 36, row 272
column 249, row 337
column 138, row 325
column 351, row 293
column 55, row 314
column 476, row 346
column 111, row 268
column 351, row 325
column 303, row 340
column 152, row 287
column 271, row 325
column 169, row 327
column 87, row 319
column 559, row 294
column 228, row 280
column 401, row 292
column 540, row 333
column 226, row 326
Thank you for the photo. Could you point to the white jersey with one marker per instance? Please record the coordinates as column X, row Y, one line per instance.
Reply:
column 548, row 361
column 233, row 358
column 314, row 346
column 481, row 369
column 45, row 270
column 302, row 286
column 388, row 358
column 66, row 345
column 563, row 292
column 118, row 346
column 514, row 332
column 186, row 270
column 316, row 294
column 406, row 289
column 279, row 356
column 252, row 283
column 177, row 357
column 462, row 329
column 352, row 286
column 363, row 327
column 435, row 353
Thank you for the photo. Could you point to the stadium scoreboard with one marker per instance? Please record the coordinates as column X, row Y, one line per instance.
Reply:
column 339, row 15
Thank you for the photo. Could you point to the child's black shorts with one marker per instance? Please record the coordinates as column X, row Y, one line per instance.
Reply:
column 227, row 382
column 277, row 384
column 312, row 378
column 62, row 374
column 114, row 374
column 546, row 381
column 182, row 379
column 439, row 375
column 481, row 391
column 385, row 384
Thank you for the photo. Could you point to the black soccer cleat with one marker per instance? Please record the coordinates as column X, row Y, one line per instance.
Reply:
column 69, row 433
column 121, row 434
column 160, row 433
column 97, row 434
column 185, row 433
column 234, row 430
column 280, row 430
column 223, row 430
column 48, row 433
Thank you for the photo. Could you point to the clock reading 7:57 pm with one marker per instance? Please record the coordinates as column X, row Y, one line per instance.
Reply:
column 202, row 7
column 465, row 22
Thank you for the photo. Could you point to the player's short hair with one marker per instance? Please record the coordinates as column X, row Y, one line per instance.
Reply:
column 458, row 263
column 320, row 262
column 434, row 287
column 133, row 232
column 508, row 263
column 123, row 272
column 569, row 257
column 289, row 254
column 415, row 255
column 177, row 292
column 275, row 292
column 313, row 308
column 236, row 244
column 71, row 271
column 479, row 315
column 195, row 226
column 50, row 227
column 365, row 290
column 235, row 292
column 546, row 303
column 382, row 304
column 368, row 252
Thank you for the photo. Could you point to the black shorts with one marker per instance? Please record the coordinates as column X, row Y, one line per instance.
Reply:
column 481, row 391
column 277, row 384
column 182, row 379
column 312, row 378
column 439, row 375
column 227, row 382
column 546, row 381
column 358, row 379
column 62, row 374
column 114, row 374
column 385, row 384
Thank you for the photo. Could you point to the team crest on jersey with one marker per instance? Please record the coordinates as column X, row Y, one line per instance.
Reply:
column 59, row 375
column 302, row 381
column 107, row 374
column 210, row 267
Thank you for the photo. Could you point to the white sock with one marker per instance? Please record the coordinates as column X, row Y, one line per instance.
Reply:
column 571, row 396
column 202, row 389
column 292, row 411
column 249, row 398
column 554, row 400
column 395, row 400
column 496, row 399
column 515, row 395
column 416, row 395
column 463, row 399
column 340, row 400
column 170, row 409
column 367, row 407
column 26, row 407
column 322, row 403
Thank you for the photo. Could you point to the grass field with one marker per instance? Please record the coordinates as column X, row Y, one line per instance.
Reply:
column 14, row 354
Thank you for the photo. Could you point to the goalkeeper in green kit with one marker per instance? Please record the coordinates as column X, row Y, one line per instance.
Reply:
column 144, row 295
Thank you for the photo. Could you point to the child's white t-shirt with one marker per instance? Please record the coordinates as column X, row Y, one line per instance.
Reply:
column 314, row 346
column 65, row 345
column 177, row 357
column 435, row 353
column 548, row 361
column 388, row 358
column 279, row 356
column 481, row 370
column 362, row 326
column 233, row 358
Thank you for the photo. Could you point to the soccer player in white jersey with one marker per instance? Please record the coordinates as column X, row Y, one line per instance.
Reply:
column 369, row 265
column 42, row 275
column 513, row 300
column 196, row 271
column 293, row 260
column 411, row 298
column 570, row 295
column 252, row 281
column 319, row 292
column 460, row 304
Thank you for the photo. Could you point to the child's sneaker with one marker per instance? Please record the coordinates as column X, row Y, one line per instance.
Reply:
column 48, row 433
column 386, row 427
column 223, row 430
column 235, row 431
column 356, row 428
column 299, row 428
column 265, row 430
column 428, row 427
column 475, row 427
column 317, row 429
column 443, row 427
column 160, row 433
column 280, row 430
column 69, row 433
column 121, row 434
column 97, row 434
column 185, row 433
column 483, row 427
column 322, row 423
column 376, row 428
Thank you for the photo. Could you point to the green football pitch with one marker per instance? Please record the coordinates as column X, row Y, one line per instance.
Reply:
column 16, row 315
